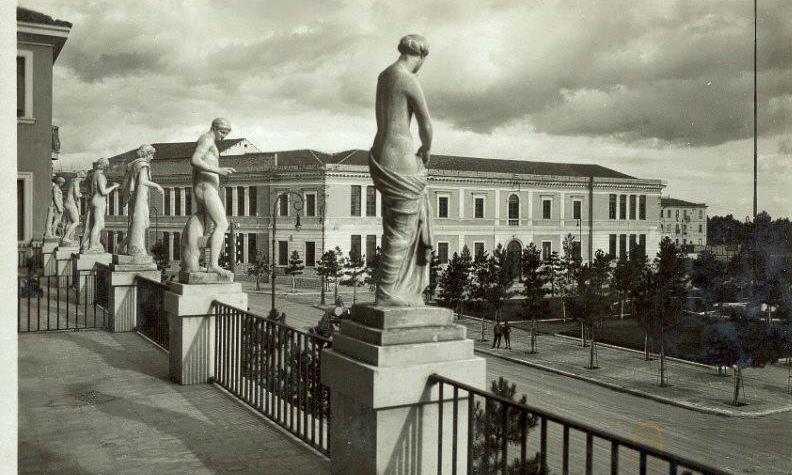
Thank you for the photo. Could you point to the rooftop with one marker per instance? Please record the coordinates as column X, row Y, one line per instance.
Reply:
column 31, row 16
column 669, row 202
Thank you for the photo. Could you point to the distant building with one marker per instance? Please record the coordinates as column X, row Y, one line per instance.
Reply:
column 475, row 202
column 684, row 222
column 39, row 42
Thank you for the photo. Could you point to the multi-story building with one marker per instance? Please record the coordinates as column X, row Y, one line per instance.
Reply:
column 475, row 202
column 40, row 39
column 684, row 222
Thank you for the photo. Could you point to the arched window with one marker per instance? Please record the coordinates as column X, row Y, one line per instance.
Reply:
column 514, row 210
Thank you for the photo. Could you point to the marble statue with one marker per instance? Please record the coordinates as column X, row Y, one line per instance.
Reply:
column 209, row 210
column 135, row 195
column 71, row 210
column 97, row 207
column 55, row 209
column 400, row 174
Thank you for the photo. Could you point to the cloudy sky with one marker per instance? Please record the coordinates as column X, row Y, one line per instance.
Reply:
column 657, row 89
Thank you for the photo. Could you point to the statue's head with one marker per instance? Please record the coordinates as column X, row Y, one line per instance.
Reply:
column 59, row 180
column 101, row 164
column 221, row 127
column 414, row 46
column 146, row 151
column 80, row 175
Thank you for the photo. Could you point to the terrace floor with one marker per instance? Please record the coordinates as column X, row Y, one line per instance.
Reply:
column 98, row 402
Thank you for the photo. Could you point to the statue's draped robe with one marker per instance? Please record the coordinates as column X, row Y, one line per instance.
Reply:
column 406, row 237
column 136, row 197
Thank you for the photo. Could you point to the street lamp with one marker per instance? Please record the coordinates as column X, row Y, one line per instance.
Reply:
column 298, row 206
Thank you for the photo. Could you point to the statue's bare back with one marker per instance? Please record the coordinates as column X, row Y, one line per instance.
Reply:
column 203, row 180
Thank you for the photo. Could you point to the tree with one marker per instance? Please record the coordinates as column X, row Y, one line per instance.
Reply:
column 589, row 301
column 571, row 265
column 490, row 432
column 372, row 269
column 259, row 268
column 552, row 270
column 707, row 276
column 454, row 281
column 329, row 268
column 434, row 271
column 494, row 280
column 534, row 280
column 354, row 272
column 294, row 268
column 159, row 251
column 623, row 280
column 477, row 286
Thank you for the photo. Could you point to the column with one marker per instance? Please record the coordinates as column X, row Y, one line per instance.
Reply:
column 246, row 203
column 497, row 207
column 530, row 206
column 234, row 200
column 462, row 192
column 172, row 194
column 245, row 238
column 183, row 201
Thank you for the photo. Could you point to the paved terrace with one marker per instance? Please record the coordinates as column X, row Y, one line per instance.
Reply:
column 97, row 402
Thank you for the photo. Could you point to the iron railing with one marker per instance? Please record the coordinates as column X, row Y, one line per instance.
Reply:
column 102, row 285
column 498, row 432
column 58, row 302
column 151, row 319
column 24, row 253
column 275, row 369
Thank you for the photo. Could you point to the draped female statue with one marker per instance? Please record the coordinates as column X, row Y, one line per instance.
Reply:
column 135, row 195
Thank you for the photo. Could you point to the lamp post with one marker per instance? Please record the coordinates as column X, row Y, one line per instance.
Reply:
column 297, row 205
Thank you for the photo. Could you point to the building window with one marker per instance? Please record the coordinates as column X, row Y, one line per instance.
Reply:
column 229, row 200
column 252, row 248
column 478, row 207
column 547, row 208
column 166, row 242
column 622, row 206
column 684, row 229
column 167, row 204
column 612, row 206
column 701, row 228
column 633, row 244
column 577, row 206
column 478, row 249
column 283, row 253
column 111, row 211
column 677, row 228
column 642, row 207
column 354, row 248
column 355, row 204
column 177, row 193
column 22, row 208
column 24, row 62
column 371, row 247
column 310, row 204
column 514, row 210
column 310, row 254
column 442, row 206
column 283, row 205
column 701, row 214
column 668, row 215
column 188, row 201
column 442, row 252
column 110, row 241
column 685, row 214
column 176, row 245
column 632, row 206
column 253, row 201
column 547, row 250
column 241, row 201
column 622, row 246
column 371, row 201
column 642, row 245
column 612, row 245
column 677, row 215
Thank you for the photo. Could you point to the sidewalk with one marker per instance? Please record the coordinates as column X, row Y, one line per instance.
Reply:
column 691, row 385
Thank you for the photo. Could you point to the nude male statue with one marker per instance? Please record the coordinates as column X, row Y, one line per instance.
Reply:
column 71, row 208
column 55, row 209
column 95, row 219
column 206, row 183
column 400, row 174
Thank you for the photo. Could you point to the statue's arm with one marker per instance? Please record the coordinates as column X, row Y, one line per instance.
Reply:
column 57, row 198
column 418, row 105
column 76, row 193
column 102, row 187
column 145, row 181
column 198, row 161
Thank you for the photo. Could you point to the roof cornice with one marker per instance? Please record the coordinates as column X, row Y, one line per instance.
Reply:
column 41, row 29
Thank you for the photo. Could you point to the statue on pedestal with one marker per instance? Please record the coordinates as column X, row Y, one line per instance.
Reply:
column 71, row 210
column 400, row 174
column 95, row 218
column 55, row 209
column 208, row 206
column 135, row 195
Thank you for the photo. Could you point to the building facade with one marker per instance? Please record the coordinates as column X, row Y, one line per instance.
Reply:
column 478, row 203
column 684, row 222
column 40, row 39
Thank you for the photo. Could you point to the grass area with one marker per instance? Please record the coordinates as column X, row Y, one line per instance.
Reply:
column 514, row 310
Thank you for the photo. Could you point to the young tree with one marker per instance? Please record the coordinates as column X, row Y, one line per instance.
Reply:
column 552, row 270
column 571, row 265
column 159, row 251
column 454, row 281
column 589, row 301
column 622, row 281
column 294, row 268
column 372, row 269
column 354, row 272
column 329, row 268
column 478, row 285
column 434, row 271
column 495, row 279
column 707, row 276
column 259, row 268
column 534, row 280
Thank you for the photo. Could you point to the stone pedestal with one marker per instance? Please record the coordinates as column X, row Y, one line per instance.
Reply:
column 191, row 326
column 122, row 292
column 63, row 264
column 83, row 265
column 385, row 415
column 48, row 256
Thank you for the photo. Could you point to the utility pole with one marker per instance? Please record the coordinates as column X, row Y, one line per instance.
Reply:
column 755, row 150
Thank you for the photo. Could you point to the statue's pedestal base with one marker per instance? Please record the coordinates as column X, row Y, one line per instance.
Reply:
column 385, row 415
column 63, row 264
column 122, row 293
column 204, row 278
column 83, row 265
column 191, row 326
column 48, row 256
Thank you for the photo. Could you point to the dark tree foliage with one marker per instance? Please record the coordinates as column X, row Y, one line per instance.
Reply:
column 373, row 268
column 534, row 281
column 259, row 268
column 589, row 301
column 434, row 271
column 489, row 432
column 709, row 276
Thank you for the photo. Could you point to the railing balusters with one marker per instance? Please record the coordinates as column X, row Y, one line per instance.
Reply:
column 504, row 439
column 614, row 458
column 565, row 454
column 440, row 429
column 454, row 430
column 543, row 443
column 589, row 452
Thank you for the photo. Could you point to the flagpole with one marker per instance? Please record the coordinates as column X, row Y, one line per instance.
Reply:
column 754, row 121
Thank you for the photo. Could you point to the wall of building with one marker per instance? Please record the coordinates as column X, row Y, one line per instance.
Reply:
column 691, row 222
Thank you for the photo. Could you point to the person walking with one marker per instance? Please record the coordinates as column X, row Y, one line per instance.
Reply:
column 507, row 334
column 496, row 341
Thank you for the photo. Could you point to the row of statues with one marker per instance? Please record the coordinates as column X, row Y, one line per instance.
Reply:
column 398, row 172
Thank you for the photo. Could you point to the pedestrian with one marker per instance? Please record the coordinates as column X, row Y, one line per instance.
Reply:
column 496, row 330
column 506, row 334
